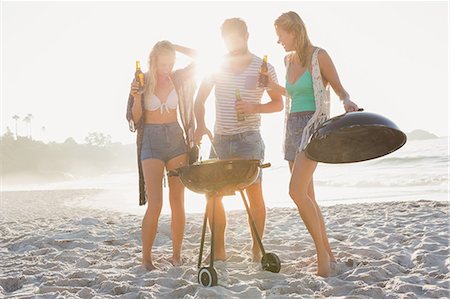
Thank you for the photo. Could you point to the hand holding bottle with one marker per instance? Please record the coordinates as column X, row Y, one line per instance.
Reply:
column 134, row 91
column 139, row 77
column 243, row 108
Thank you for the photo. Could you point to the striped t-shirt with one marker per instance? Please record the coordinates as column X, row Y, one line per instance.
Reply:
column 226, row 82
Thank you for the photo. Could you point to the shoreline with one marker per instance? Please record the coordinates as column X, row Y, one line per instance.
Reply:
column 125, row 201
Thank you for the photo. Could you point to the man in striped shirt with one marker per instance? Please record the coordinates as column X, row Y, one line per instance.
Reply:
column 236, row 138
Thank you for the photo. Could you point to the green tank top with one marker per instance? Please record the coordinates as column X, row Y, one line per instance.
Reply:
column 301, row 93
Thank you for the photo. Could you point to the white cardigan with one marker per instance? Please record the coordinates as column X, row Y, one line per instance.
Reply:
column 322, row 100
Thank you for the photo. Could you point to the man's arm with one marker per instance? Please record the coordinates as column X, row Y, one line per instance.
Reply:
column 275, row 87
column 275, row 104
column 199, row 110
column 276, row 100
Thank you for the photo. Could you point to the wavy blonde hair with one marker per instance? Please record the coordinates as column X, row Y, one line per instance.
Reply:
column 291, row 22
column 161, row 47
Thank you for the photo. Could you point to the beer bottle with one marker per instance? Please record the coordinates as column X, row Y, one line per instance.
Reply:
column 240, row 115
column 263, row 80
column 139, row 76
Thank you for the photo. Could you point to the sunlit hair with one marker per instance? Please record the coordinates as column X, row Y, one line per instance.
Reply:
column 234, row 25
column 160, row 48
column 291, row 22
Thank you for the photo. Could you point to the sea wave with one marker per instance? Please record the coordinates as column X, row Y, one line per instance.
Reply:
column 404, row 181
column 412, row 159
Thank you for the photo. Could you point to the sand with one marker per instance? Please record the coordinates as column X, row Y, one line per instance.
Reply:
column 52, row 248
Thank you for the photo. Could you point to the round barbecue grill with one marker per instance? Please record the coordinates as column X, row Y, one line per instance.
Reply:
column 219, row 176
column 223, row 177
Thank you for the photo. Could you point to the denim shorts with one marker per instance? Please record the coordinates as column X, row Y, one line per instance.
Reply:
column 247, row 145
column 295, row 124
column 163, row 142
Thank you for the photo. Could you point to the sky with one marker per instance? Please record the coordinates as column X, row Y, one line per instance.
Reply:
column 70, row 64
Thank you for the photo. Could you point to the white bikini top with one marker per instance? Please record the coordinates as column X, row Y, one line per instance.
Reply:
column 153, row 103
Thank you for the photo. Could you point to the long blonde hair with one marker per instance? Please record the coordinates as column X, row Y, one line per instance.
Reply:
column 161, row 47
column 291, row 22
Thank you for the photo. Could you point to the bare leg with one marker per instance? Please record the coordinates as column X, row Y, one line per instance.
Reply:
column 220, row 220
column 302, row 173
column 322, row 221
column 258, row 210
column 176, row 197
column 153, row 172
column 311, row 194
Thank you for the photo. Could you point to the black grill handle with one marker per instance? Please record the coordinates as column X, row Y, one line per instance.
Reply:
column 359, row 110
column 265, row 165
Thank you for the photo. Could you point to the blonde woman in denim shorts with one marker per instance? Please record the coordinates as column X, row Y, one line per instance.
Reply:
column 310, row 71
column 161, row 143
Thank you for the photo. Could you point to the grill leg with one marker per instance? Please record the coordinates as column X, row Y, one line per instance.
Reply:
column 252, row 223
column 213, row 225
column 202, row 242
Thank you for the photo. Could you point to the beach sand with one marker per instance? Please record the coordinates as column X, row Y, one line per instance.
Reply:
column 50, row 247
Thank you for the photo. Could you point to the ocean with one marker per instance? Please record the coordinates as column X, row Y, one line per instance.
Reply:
column 419, row 170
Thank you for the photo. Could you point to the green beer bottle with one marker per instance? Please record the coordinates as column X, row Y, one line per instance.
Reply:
column 239, row 115
column 262, row 80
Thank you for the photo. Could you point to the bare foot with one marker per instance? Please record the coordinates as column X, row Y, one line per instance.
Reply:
column 217, row 257
column 332, row 258
column 323, row 265
column 148, row 266
column 333, row 269
column 176, row 261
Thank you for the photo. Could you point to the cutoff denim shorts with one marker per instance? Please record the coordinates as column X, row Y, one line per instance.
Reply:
column 247, row 145
column 295, row 124
column 163, row 142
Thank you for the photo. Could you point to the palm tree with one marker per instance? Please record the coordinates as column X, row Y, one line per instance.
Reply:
column 28, row 119
column 16, row 117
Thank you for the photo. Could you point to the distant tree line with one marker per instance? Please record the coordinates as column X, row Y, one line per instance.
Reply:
column 97, row 156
